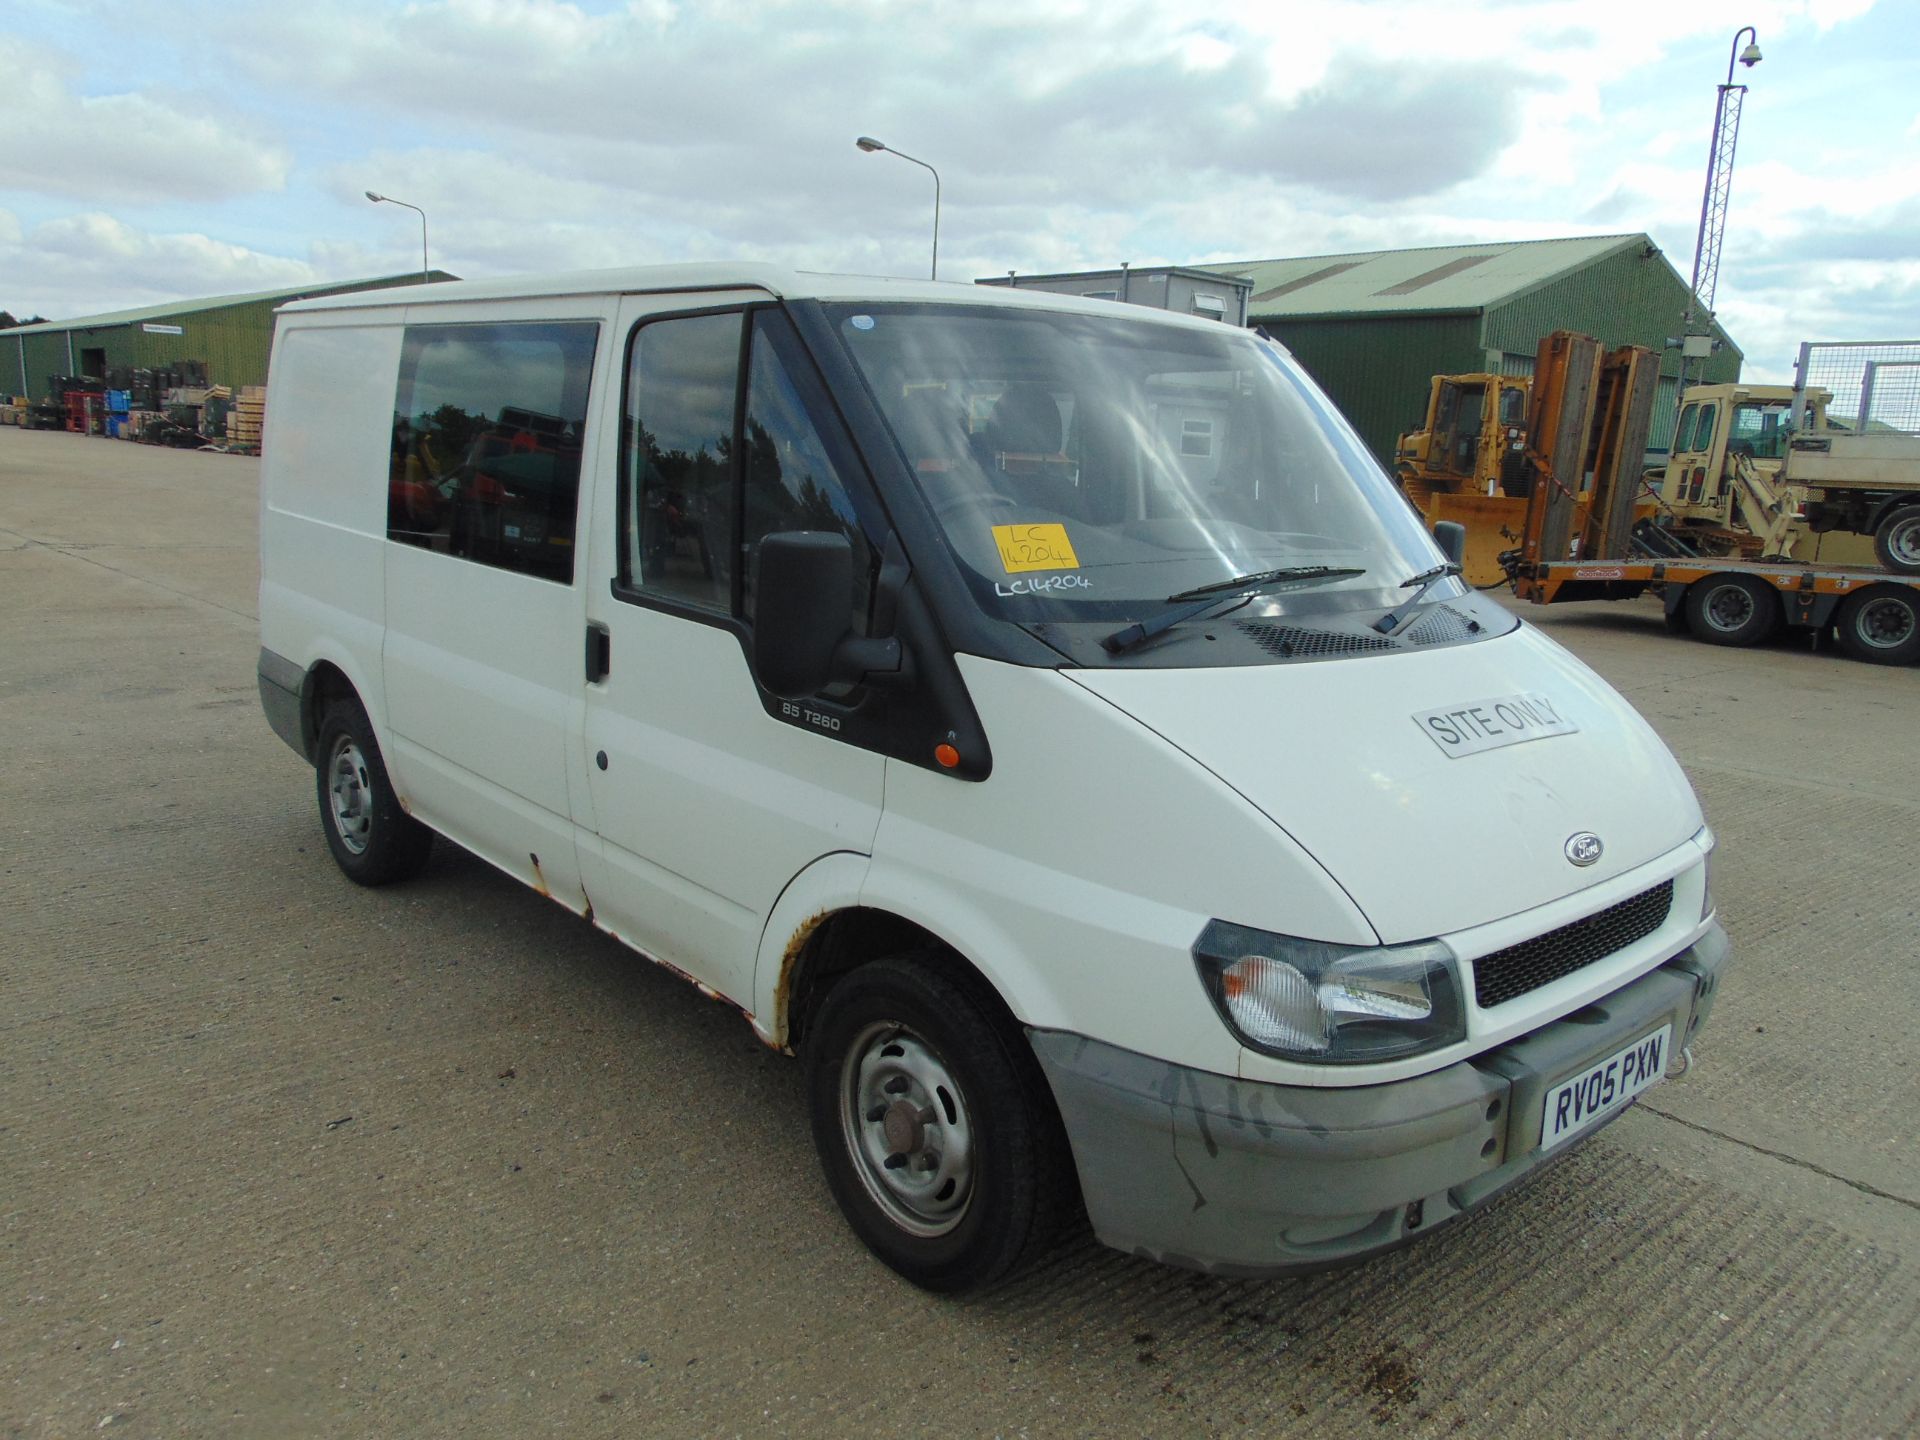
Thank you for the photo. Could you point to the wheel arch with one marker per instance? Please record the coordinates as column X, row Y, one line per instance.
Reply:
column 1888, row 505
column 325, row 683
column 824, row 927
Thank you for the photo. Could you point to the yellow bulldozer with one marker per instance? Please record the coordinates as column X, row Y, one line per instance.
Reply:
column 1469, row 464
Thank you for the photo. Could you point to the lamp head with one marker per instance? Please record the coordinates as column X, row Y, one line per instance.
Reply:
column 375, row 198
column 869, row 144
column 1750, row 56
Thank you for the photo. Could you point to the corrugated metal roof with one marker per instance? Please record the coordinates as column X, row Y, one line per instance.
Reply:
column 1434, row 278
column 214, row 302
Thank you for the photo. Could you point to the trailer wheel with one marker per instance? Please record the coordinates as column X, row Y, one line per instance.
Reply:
column 1881, row 625
column 1897, row 541
column 1732, row 610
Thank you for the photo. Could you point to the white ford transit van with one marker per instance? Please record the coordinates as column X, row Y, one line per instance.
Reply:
column 1040, row 715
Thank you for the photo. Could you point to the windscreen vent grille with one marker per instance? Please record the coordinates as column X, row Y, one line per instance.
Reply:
column 1440, row 626
column 1514, row 971
column 1290, row 642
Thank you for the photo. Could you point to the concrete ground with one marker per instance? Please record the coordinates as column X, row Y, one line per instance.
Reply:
column 283, row 1156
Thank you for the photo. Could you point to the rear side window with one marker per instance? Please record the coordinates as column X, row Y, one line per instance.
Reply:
column 485, row 456
column 1683, row 432
column 1704, row 426
column 729, row 439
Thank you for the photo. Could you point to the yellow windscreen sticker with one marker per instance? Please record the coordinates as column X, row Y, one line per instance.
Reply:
column 1034, row 547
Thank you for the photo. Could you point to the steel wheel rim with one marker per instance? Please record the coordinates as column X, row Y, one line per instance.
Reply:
column 1903, row 542
column 1884, row 624
column 351, row 794
column 1729, row 607
column 907, row 1129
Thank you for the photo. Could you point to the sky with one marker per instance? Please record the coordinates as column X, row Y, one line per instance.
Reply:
column 150, row 154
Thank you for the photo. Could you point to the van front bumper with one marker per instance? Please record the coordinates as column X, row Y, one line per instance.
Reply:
column 1249, row 1179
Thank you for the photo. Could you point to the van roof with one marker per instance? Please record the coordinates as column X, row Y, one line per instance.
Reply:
column 774, row 280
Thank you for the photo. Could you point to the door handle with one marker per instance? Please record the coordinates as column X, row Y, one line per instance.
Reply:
column 599, row 652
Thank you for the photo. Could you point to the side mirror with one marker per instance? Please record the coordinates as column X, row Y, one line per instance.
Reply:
column 802, row 584
column 1451, row 537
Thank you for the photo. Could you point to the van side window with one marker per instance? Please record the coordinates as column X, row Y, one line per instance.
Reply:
column 794, row 467
column 682, row 387
column 485, row 456
column 694, row 517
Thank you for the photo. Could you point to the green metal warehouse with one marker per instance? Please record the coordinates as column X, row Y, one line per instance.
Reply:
column 1374, row 328
column 230, row 334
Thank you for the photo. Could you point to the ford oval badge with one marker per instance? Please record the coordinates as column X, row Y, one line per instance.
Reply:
column 1584, row 848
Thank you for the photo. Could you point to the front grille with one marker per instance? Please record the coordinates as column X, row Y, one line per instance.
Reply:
column 1290, row 641
column 1501, row 976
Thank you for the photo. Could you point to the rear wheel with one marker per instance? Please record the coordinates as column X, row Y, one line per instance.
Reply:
column 373, row 839
column 1897, row 541
column 1881, row 625
column 1732, row 610
column 935, row 1125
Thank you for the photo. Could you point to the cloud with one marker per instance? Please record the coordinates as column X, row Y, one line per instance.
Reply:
column 138, row 146
column 542, row 135
column 92, row 262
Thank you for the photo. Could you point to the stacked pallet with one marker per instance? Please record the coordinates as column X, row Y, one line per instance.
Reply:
column 245, row 419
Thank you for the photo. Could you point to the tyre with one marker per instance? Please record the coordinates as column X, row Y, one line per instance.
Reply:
column 935, row 1125
column 1881, row 625
column 373, row 839
column 1732, row 610
column 1896, row 543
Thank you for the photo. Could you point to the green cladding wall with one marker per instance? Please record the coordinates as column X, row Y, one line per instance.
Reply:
column 1378, row 370
column 233, row 341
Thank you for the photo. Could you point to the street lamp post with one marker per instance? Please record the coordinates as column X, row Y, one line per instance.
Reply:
column 871, row 145
column 1713, row 201
column 425, row 277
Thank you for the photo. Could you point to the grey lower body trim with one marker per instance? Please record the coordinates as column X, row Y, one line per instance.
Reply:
column 1242, row 1178
column 281, row 685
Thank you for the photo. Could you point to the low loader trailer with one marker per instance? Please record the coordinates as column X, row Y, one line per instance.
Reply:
column 1582, row 541
column 1874, row 614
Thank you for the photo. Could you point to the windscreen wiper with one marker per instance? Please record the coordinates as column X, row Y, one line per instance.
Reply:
column 1390, row 622
column 1191, row 604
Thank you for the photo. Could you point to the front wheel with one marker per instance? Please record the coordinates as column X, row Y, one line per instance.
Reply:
column 935, row 1126
column 373, row 839
column 1896, row 542
column 1881, row 625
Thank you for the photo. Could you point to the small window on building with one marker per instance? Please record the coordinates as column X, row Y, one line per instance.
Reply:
column 1212, row 306
column 487, row 430
column 1196, row 438
column 1101, row 294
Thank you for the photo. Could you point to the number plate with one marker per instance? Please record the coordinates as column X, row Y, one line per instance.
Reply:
column 1601, row 1090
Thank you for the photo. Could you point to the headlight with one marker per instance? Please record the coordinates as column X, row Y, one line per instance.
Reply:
column 1332, row 1004
column 1707, row 842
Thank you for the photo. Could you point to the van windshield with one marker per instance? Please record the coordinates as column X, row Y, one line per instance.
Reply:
column 1088, row 468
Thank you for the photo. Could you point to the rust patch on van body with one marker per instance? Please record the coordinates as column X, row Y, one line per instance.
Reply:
column 789, row 967
column 539, row 878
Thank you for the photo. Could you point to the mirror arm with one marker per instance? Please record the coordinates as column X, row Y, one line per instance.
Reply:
column 871, row 660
